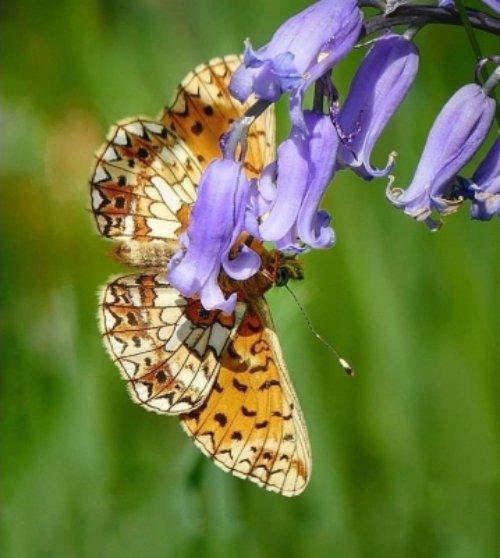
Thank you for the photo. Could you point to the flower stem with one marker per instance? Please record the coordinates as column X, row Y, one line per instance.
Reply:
column 471, row 36
column 421, row 15
column 492, row 81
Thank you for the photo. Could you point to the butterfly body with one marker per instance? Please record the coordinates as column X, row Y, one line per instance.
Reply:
column 223, row 374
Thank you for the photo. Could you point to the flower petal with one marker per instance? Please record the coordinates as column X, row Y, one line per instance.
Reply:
column 291, row 184
column 305, row 167
column 487, row 176
column 217, row 220
column 313, row 226
column 485, row 186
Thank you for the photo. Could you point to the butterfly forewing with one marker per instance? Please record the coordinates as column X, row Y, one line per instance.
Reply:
column 251, row 423
column 203, row 110
column 144, row 182
column 167, row 347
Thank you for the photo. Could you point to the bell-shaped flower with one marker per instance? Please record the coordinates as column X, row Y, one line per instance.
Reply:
column 291, row 189
column 304, row 48
column 378, row 88
column 217, row 220
column 456, row 135
column 485, row 186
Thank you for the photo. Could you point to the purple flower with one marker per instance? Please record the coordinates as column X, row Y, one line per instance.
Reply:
column 485, row 186
column 291, row 189
column 457, row 133
column 217, row 220
column 379, row 87
column 303, row 49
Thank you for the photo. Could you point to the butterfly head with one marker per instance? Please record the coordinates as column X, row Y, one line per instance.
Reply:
column 290, row 267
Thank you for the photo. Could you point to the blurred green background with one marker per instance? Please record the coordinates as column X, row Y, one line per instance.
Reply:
column 406, row 454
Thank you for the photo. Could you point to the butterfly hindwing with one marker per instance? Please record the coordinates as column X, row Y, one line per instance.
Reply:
column 167, row 347
column 251, row 423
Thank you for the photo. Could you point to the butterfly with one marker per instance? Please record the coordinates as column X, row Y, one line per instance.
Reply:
column 223, row 375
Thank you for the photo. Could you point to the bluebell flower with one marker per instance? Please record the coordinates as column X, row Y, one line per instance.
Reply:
column 291, row 189
column 456, row 135
column 303, row 49
column 217, row 220
column 485, row 186
column 379, row 87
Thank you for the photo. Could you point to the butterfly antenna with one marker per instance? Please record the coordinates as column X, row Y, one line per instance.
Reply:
column 342, row 361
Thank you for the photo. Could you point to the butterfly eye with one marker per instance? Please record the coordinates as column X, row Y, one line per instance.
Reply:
column 204, row 314
column 282, row 276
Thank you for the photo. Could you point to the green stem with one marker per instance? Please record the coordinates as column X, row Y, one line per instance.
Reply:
column 477, row 52
column 469, row 31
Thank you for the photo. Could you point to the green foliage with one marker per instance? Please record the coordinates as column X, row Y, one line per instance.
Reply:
column 406, row 454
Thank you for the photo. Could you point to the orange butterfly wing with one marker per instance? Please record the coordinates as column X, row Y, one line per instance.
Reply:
column 202, row 111
column 251, row 423
column 143, row 183
column 225, row 375
column 166, row 346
